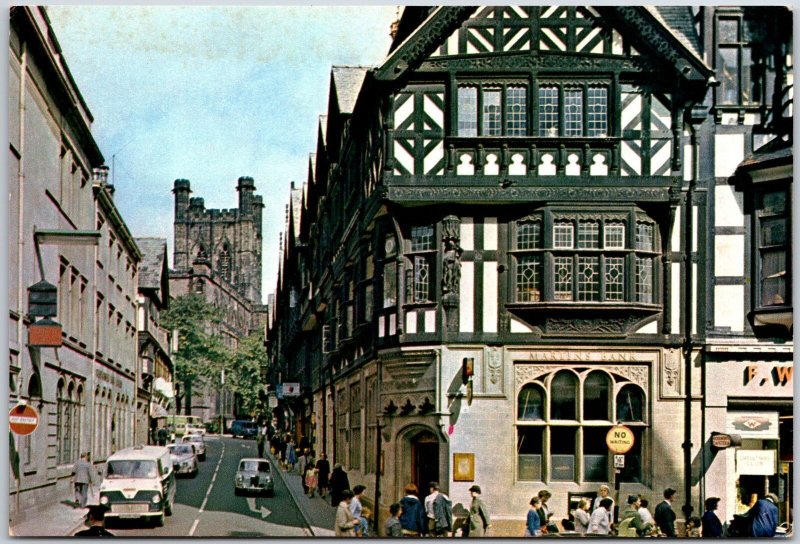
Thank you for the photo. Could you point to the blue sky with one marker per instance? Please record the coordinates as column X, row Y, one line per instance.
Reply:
column 211, row 94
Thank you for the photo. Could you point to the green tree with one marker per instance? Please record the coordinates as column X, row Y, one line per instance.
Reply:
column 245, row 370
column 201, row 355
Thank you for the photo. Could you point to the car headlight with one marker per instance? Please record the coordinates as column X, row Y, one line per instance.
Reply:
column 103, row 499
column 156, row 498
column 239, row 478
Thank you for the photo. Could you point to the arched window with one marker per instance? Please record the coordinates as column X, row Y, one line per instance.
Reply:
column 564, row 392
column 224, row 264
column 596, row 396
column 530, row 403
column 28, row 442
column 630, row 403
column 62, row 418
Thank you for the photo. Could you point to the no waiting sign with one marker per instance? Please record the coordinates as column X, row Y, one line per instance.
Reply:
column 23, row 419
column 619, row 439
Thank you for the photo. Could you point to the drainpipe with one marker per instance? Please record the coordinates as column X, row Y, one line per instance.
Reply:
column 687, row 508
column 378, row 448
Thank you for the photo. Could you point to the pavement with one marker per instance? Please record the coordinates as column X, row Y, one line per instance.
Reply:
column 318, row 513
column 62, row 518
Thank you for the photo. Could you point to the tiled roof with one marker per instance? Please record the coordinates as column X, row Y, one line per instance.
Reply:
column 679, row 20
column 154, row 251
column 347, row 81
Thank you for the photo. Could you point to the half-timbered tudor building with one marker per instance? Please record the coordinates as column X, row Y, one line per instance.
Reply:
column 527, row 226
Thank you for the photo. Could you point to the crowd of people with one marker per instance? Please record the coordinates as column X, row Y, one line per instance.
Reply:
column 431, row 514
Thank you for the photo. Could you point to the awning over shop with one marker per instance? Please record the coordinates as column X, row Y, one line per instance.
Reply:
column 164, row 387
column 157, row 411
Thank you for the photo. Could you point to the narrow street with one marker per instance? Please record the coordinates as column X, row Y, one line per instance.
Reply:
column 206, row 506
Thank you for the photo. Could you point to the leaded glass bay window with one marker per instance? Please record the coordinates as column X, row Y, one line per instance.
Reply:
column 492, row 109
column 572, row 110
column 421, row 258
column 587, row 258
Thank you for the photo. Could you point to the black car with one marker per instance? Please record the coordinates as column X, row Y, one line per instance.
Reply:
column 244, row 428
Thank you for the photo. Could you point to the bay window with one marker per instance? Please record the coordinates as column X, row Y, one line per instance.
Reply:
column 492, row 109
column 588, row 257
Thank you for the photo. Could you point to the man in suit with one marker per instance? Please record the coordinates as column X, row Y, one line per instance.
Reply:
column 83, row 478
column 665, row 516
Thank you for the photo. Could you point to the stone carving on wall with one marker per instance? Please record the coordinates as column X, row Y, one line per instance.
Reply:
column 527, row 373
column 637, row 374
column 459, row 193
column 494, row 364
column 671, row 377
column 451, row 260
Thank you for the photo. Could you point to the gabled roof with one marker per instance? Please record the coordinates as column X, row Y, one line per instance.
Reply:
column 153, row 263
column 346, row 82
column 666, row 31
column 679, row 20
column 323, row 129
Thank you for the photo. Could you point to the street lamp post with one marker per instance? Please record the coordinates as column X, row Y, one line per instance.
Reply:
column 221, row 400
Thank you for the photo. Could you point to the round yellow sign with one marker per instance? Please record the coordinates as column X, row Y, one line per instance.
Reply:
column 619, row 439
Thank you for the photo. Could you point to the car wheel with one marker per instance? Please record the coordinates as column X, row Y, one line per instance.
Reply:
column 168, row 509
column 203, row 457
column 158, row 521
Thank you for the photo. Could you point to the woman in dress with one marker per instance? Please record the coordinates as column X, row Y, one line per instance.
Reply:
column 581, row 516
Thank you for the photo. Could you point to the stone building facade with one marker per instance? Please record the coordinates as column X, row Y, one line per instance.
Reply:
column 65, row 229
column 218, row 254
column 525, row 227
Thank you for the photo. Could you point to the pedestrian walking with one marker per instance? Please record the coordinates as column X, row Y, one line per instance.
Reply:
column 291, row 455
column 533, row 523
column 711, row 524
column 356, row 509
column 664, row 515
column 260, row 439
column 439, row 511
column 644, row 512
column 345, row 522
column 582, row 516
column 548, row 527
column 630, row 518
column 764, row 516
column 323, row 473
column 479, row 520
column 603, row 492
column 392, row 526
column 302, row 464
column 600, row 522
column 95, row 519
column 311, row 480
column 693, row 525
column 413, row 518
column 82, row 479
column 338, row 482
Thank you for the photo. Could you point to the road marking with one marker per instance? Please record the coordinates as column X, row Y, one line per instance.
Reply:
column 208, row 493
column 264, row 511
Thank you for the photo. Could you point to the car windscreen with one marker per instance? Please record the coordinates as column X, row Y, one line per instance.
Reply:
column 131, row 469
column 181, row 448
column 193, row 438
column 254, row 466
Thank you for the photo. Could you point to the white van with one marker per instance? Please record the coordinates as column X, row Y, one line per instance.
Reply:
column 139, row 482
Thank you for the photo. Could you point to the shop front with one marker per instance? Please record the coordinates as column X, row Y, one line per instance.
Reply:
column 752, row 401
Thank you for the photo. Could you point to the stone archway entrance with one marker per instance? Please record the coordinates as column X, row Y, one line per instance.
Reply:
column 424, row 460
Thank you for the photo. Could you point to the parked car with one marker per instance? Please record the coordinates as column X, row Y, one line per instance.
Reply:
column 139, row 482
column 254, row 474
column 192, row 428
column 199, row 444
column 184, row 458
column 244, row 428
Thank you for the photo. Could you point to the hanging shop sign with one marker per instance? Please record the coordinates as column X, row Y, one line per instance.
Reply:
column 291, row 389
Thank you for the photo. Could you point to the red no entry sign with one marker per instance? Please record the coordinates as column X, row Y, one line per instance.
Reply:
column 23, row 419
